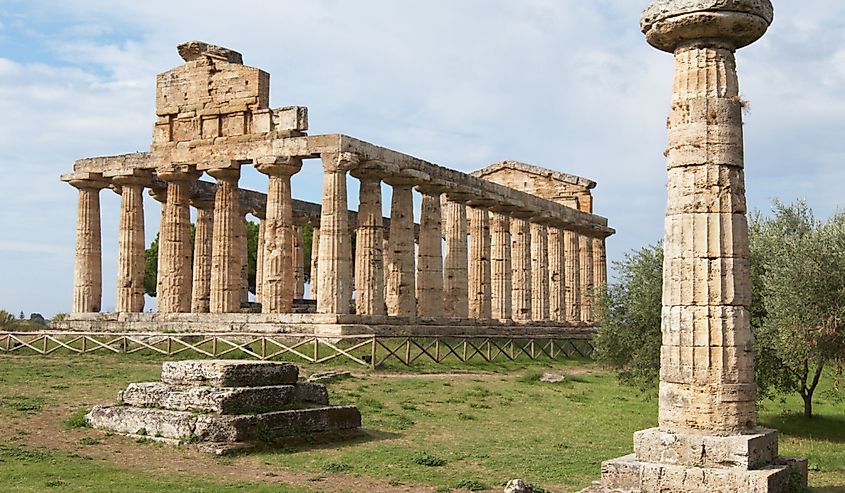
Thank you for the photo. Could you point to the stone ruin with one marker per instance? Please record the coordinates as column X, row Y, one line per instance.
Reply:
column 707, row 437
column 223, row 406
column 512, row 249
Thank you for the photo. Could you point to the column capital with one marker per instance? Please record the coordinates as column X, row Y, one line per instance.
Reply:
column 178, row 172
column 278, row 165
column 225, row 173
column 340, row 161
column 407, row 178
column 84, row 180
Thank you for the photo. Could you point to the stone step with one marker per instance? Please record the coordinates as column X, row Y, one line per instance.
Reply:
column 229, row 373
column 187, row 426
column 228, row 400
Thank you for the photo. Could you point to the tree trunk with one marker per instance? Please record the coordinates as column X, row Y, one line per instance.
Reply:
column 808, row 405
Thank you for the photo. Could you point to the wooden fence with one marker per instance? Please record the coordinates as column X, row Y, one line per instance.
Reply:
column 366, row 350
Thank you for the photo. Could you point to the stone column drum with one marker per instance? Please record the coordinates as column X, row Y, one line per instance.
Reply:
column 173, row 290
column 479, row 264
column 599, row 264
column 557, row 289
column 369, row 257
column 585, row 262
column 203, row 239
column 500, row 266
column 539, row 272
column 572, row 276
column 707, row 439
column 298, row 262
column 334, row 268
column 401, row 289
column 130, row 244
column 225, row 296
column 430, row 257
column 88, row 265
column 521, row 268
column 315, row 260
column 279, row 283
column 455, row 260
column 259, row 260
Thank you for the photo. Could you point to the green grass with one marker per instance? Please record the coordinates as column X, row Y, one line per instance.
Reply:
column 470, row 430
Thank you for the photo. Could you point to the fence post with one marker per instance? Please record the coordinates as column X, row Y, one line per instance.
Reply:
column 373, row 354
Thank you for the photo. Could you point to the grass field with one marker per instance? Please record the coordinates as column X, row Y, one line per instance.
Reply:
column 459, row 428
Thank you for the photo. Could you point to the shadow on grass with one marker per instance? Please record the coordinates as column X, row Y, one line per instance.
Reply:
column 828, row 489
column 317, row 441
column 826, row 428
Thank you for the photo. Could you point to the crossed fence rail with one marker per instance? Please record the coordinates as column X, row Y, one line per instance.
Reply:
column 366, row 350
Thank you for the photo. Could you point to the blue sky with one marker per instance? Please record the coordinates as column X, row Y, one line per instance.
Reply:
column 565, row 84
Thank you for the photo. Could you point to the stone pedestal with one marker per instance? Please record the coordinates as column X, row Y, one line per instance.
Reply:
column 131, row 262
column 521, row 268
column 430, row 258
column 455, row 263
column 707, row 439
column 500, row 266
column 479, row 264
column 225, row 295
column 173, row 291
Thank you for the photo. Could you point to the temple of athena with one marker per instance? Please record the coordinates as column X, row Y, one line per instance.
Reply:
column 511, row 249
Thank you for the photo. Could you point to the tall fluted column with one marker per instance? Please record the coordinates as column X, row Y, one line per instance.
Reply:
column 335, row 263
column 500, row 266
column 707, row 438
column 539, row 272
column 430, row 258
column 479, row 264
column 369, row 257
column 521, row 267
column 455, row 267
column 225, row 296
column 401, row 289
column 585, row 262
column 259, row 261
column 243, row 236
column 572, row 276
column 599, row 264
column 315, row 261
column 173, row 290
column 298, row 263
column 88, row 265
column 130, row 244
column 557, row 286
column 203, row 240
column 279, row 279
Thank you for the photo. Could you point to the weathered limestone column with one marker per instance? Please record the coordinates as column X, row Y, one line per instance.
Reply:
column 369, row 257
column 335, row 262
column 707, row 438
column 173, row 290
column 203, row 240
column 572, row 276
column 298, row 263
column 88, row 264
column 130, row 244
column 430, row 257
column 315, row 260
column 539, row 272
column 259, row 260
column 455, row 266
column 279, row 282
column 585, row 262
column 479, row 264
column 500, row 266
column 244, row 251
column 401, row 289
column 521, row 267
column 599, row 264
column 225, row 296
column 557, row 286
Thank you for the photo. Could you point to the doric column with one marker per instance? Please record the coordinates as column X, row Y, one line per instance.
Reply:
column 279, row 282
column 225, row 296
column 369, row 257
column 521, row 268
column 479, row 263
column 335, row 262
column 173, row 290
column 88, row 264
column 203, row 239
column 130, row 243
column 244, row 263
column 259, row 261
column 572, row 276
column 401, row 289
column 500, row 266
column 430, row 257
column 557, row 286
column 585, row 262
column 599, row 264
column 455, row 268
column 298, row 263
column 315, row 257
column 539, row 272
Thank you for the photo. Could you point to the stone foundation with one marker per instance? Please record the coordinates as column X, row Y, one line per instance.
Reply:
column 223, row 406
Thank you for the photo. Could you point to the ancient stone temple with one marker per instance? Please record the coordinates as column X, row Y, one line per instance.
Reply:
column 511, row 249
column 707, row 437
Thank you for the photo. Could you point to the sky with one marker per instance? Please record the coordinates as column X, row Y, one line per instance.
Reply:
column 569, row 85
